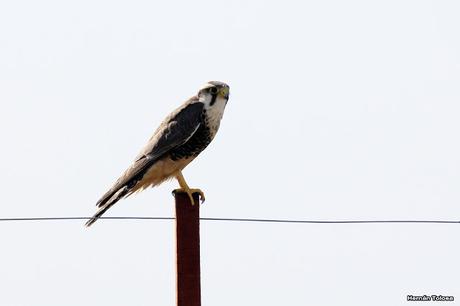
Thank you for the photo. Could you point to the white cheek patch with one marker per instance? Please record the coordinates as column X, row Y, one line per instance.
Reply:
column 206, row 99
column 216, row 111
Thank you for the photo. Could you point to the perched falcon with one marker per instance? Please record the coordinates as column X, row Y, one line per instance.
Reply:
column 178, row 140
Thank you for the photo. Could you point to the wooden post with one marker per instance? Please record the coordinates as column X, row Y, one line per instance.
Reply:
column 188, row 250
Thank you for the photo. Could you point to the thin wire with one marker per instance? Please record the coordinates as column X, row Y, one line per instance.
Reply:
column 236, row 220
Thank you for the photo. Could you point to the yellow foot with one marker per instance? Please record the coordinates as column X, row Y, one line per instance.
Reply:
column 190, row 193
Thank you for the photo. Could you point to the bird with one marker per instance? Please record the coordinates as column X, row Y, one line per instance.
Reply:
column 179, row 139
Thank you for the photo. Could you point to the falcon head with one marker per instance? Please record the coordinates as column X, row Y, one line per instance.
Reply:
column 214, row 92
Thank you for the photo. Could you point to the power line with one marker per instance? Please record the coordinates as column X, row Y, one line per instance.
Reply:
column 234, row 220
column 329, row 221
column 81, row 218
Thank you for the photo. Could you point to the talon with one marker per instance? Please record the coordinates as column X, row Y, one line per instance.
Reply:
column 190, row 193
column 188, row 190
column 202, row 198
column 190, row 196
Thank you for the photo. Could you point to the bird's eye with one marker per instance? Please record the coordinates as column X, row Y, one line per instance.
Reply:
column 213, row 90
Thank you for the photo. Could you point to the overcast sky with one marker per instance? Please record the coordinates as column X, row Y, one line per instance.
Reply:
column 338, row 110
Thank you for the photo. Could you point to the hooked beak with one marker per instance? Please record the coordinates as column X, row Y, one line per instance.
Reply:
column 224, row 92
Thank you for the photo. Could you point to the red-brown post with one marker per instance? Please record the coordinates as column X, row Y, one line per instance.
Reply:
column 188, row 250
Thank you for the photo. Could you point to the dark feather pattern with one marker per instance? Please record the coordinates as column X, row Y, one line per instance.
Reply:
column 175, row 131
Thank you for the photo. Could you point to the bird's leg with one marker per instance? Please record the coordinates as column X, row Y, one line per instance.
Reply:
column 189, row 191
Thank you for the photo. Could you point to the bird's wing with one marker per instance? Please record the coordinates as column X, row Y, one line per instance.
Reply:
column 175, row 131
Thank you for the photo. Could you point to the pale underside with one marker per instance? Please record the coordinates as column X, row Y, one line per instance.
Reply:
column 161, row 171
column 176, row 143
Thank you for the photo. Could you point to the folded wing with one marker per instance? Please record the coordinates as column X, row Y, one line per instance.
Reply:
column 176, row 130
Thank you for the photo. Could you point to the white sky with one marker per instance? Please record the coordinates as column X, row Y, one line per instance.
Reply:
column 338, row 110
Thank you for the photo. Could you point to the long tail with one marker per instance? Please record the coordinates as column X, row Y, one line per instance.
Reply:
column 123, row 187
column 105, row 203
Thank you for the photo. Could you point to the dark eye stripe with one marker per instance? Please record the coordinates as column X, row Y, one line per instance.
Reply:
column 213, row 99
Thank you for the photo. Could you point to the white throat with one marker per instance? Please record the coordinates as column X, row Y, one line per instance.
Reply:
column 214, row 112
